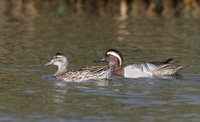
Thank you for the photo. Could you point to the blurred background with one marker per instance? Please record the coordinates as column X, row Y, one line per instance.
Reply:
column 117, row 8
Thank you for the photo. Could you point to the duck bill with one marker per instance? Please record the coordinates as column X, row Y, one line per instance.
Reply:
column 47, row 64
column 99, row 60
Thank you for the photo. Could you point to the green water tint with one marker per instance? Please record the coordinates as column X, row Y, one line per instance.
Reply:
column 30, row 93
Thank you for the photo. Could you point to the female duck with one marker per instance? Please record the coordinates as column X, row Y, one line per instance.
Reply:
column 136, row 70
column 78, row 75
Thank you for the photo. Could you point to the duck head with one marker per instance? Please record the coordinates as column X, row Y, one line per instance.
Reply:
column 60, row 61
column 113, row 57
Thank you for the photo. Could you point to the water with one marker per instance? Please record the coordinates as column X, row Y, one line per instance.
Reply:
column 28, row 92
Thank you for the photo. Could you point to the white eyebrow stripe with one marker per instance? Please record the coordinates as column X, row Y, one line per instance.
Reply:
column 116, row 55
column 59, row 56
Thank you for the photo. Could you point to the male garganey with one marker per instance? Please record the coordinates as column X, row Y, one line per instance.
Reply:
column 136, row 70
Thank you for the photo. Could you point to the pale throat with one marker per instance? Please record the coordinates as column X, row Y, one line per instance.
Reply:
column 62, row 67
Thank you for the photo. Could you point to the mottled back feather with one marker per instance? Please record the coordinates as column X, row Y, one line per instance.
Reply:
column 86, row 73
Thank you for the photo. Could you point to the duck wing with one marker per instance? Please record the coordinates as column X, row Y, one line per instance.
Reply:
column 161, row 63
column 147, row 67
column 94, row 69
column 151, row 65
column 167, row 70
column 99, row 72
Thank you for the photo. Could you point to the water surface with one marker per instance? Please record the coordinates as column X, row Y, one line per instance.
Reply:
column 30, row 93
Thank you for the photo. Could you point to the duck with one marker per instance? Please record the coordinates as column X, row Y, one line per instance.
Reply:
column 141, row 69
column 79, row 74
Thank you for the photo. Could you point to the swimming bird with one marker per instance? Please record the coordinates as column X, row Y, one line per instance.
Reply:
column 144, row 69
column 80, row 74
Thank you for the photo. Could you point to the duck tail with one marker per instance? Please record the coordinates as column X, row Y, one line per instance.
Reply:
column 168, row 60
column 179, row 67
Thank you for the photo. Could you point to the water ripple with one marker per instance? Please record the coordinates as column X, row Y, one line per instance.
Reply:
column 24, row 70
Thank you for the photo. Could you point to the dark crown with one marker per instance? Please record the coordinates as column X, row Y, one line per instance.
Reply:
column 58, row 53
column 116, row 51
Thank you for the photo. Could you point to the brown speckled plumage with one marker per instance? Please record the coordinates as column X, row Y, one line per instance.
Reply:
column 80, row 74
column 167, row 70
